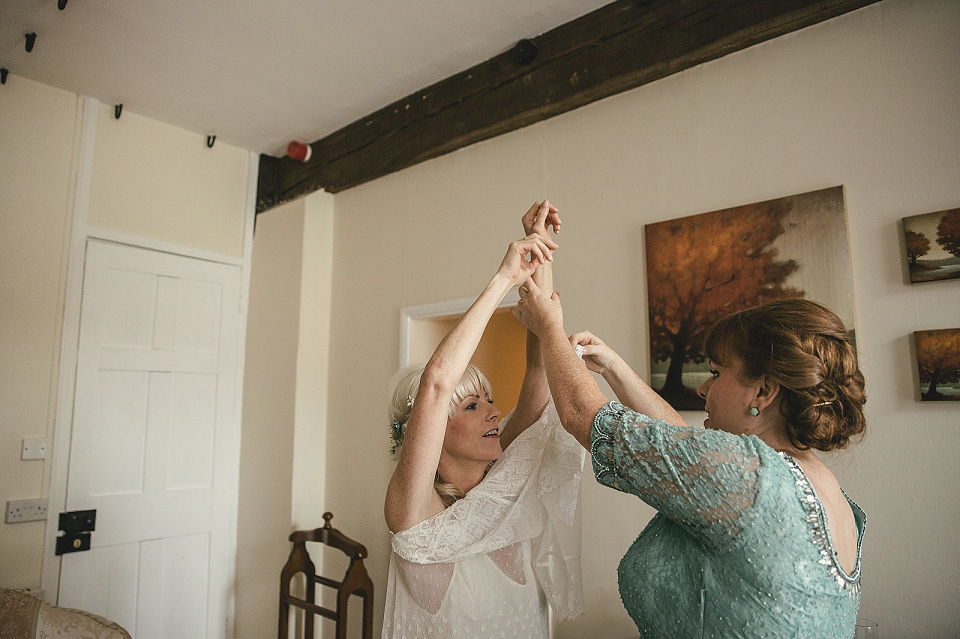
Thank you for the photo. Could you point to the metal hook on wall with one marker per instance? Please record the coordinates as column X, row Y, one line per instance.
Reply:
column 3, row 75
column 61, row 4
column 31, row 39
column 117, row 108
column 210, row 140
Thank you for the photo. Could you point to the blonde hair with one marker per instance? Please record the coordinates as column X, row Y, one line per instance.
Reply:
column 403, row 391
column 806, row 349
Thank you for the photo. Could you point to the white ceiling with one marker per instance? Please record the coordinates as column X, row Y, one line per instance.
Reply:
column 260, row 74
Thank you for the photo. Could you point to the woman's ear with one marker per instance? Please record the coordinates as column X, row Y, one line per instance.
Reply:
column 767, row 390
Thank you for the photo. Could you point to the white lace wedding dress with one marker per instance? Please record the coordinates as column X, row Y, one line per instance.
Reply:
column 488, row 565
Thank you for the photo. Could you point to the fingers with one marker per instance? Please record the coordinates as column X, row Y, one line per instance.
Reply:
column 585, row 337
column 551, row 217
column 539, row 251
column 543, row 238
column 529, row 219
column 541, row 215
column 538, row 245
column 542, row 211
column 538, row 256
column 528, row 288
column 548, row 215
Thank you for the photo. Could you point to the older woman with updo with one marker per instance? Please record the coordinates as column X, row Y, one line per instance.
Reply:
column 754, row 536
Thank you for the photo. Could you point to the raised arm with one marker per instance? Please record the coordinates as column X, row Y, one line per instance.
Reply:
column 632, row 391
column 534, row 391
column 411, row 497
column 576, row 394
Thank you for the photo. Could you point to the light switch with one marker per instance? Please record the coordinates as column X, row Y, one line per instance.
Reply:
column 34, row 448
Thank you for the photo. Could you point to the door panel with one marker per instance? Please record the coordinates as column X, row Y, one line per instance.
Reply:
column 171, row 605
column 155, row 442
column 88, row 587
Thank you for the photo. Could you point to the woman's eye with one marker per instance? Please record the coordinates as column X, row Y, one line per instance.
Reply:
column 714, row 372
column 472, row 406
column 489, row 401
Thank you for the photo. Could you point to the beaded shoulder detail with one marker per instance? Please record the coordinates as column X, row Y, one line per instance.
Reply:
column 816, row 520
column 603, row 437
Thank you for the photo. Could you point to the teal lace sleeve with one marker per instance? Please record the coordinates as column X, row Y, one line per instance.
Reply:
column 702, row 479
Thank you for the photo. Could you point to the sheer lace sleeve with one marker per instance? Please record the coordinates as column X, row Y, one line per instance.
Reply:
column 531, row 493
column 702, row 479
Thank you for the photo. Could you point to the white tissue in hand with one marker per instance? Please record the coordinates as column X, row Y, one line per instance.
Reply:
column 579, row 351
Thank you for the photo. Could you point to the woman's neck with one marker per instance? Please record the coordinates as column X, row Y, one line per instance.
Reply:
column 463, row 475
column 778, row 440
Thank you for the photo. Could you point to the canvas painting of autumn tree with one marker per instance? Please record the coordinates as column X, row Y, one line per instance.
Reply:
column 702, row 267
column 932, row 245
column 938, row 362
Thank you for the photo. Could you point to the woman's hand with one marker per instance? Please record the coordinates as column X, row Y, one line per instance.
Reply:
column 596, row 354
column 537, row 309
column 515, row 265
column 539, row 217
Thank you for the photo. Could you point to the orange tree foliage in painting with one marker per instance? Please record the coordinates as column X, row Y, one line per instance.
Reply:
column 702, row 267
column 938, row 358
column 917, row 245
column 948, row 232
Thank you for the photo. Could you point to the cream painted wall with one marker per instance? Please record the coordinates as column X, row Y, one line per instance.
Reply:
column 37, row 165
column 313, row 352
column 269, row 411
column 283, row 456
column 868, row 100
column 161, row 200
column 156, row 180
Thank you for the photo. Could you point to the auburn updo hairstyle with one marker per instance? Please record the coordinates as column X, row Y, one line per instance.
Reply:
column 804, row 347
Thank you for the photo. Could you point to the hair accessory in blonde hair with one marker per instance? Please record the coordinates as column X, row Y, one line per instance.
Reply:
column 396, row 428
column 823, row 403
column 396, row 435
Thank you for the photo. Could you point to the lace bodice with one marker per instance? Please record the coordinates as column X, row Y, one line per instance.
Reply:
column 490, row 563
column 740, row 546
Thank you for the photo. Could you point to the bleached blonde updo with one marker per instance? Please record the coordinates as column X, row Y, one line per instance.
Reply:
column 403, row 391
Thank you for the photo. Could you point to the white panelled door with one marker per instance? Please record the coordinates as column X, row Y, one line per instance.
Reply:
column 155, row 442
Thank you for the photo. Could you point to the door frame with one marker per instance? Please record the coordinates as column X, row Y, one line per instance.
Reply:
column 440, row 310
column 81, row 233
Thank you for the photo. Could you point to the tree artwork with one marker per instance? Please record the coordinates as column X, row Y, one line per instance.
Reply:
column 948, row 232
column 932, row 246
column 938, row 361
column 917, row 246
column 702, row 267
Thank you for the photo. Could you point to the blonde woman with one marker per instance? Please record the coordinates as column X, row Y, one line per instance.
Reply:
column 483, row 512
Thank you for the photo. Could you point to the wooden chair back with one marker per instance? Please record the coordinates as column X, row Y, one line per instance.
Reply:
column 355, row 582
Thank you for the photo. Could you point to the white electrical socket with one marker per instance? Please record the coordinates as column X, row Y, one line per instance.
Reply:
column 19, row 510
column 34, row 448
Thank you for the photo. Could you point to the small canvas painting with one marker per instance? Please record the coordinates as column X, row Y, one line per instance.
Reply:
column 938, row 362
column 932, row 244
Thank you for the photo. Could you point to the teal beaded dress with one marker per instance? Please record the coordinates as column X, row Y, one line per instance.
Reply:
column 740, row 545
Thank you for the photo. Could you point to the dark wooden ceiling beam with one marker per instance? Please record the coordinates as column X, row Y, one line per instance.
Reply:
column 620, row 46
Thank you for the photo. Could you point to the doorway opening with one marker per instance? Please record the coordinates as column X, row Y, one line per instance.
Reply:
column 501, row 354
